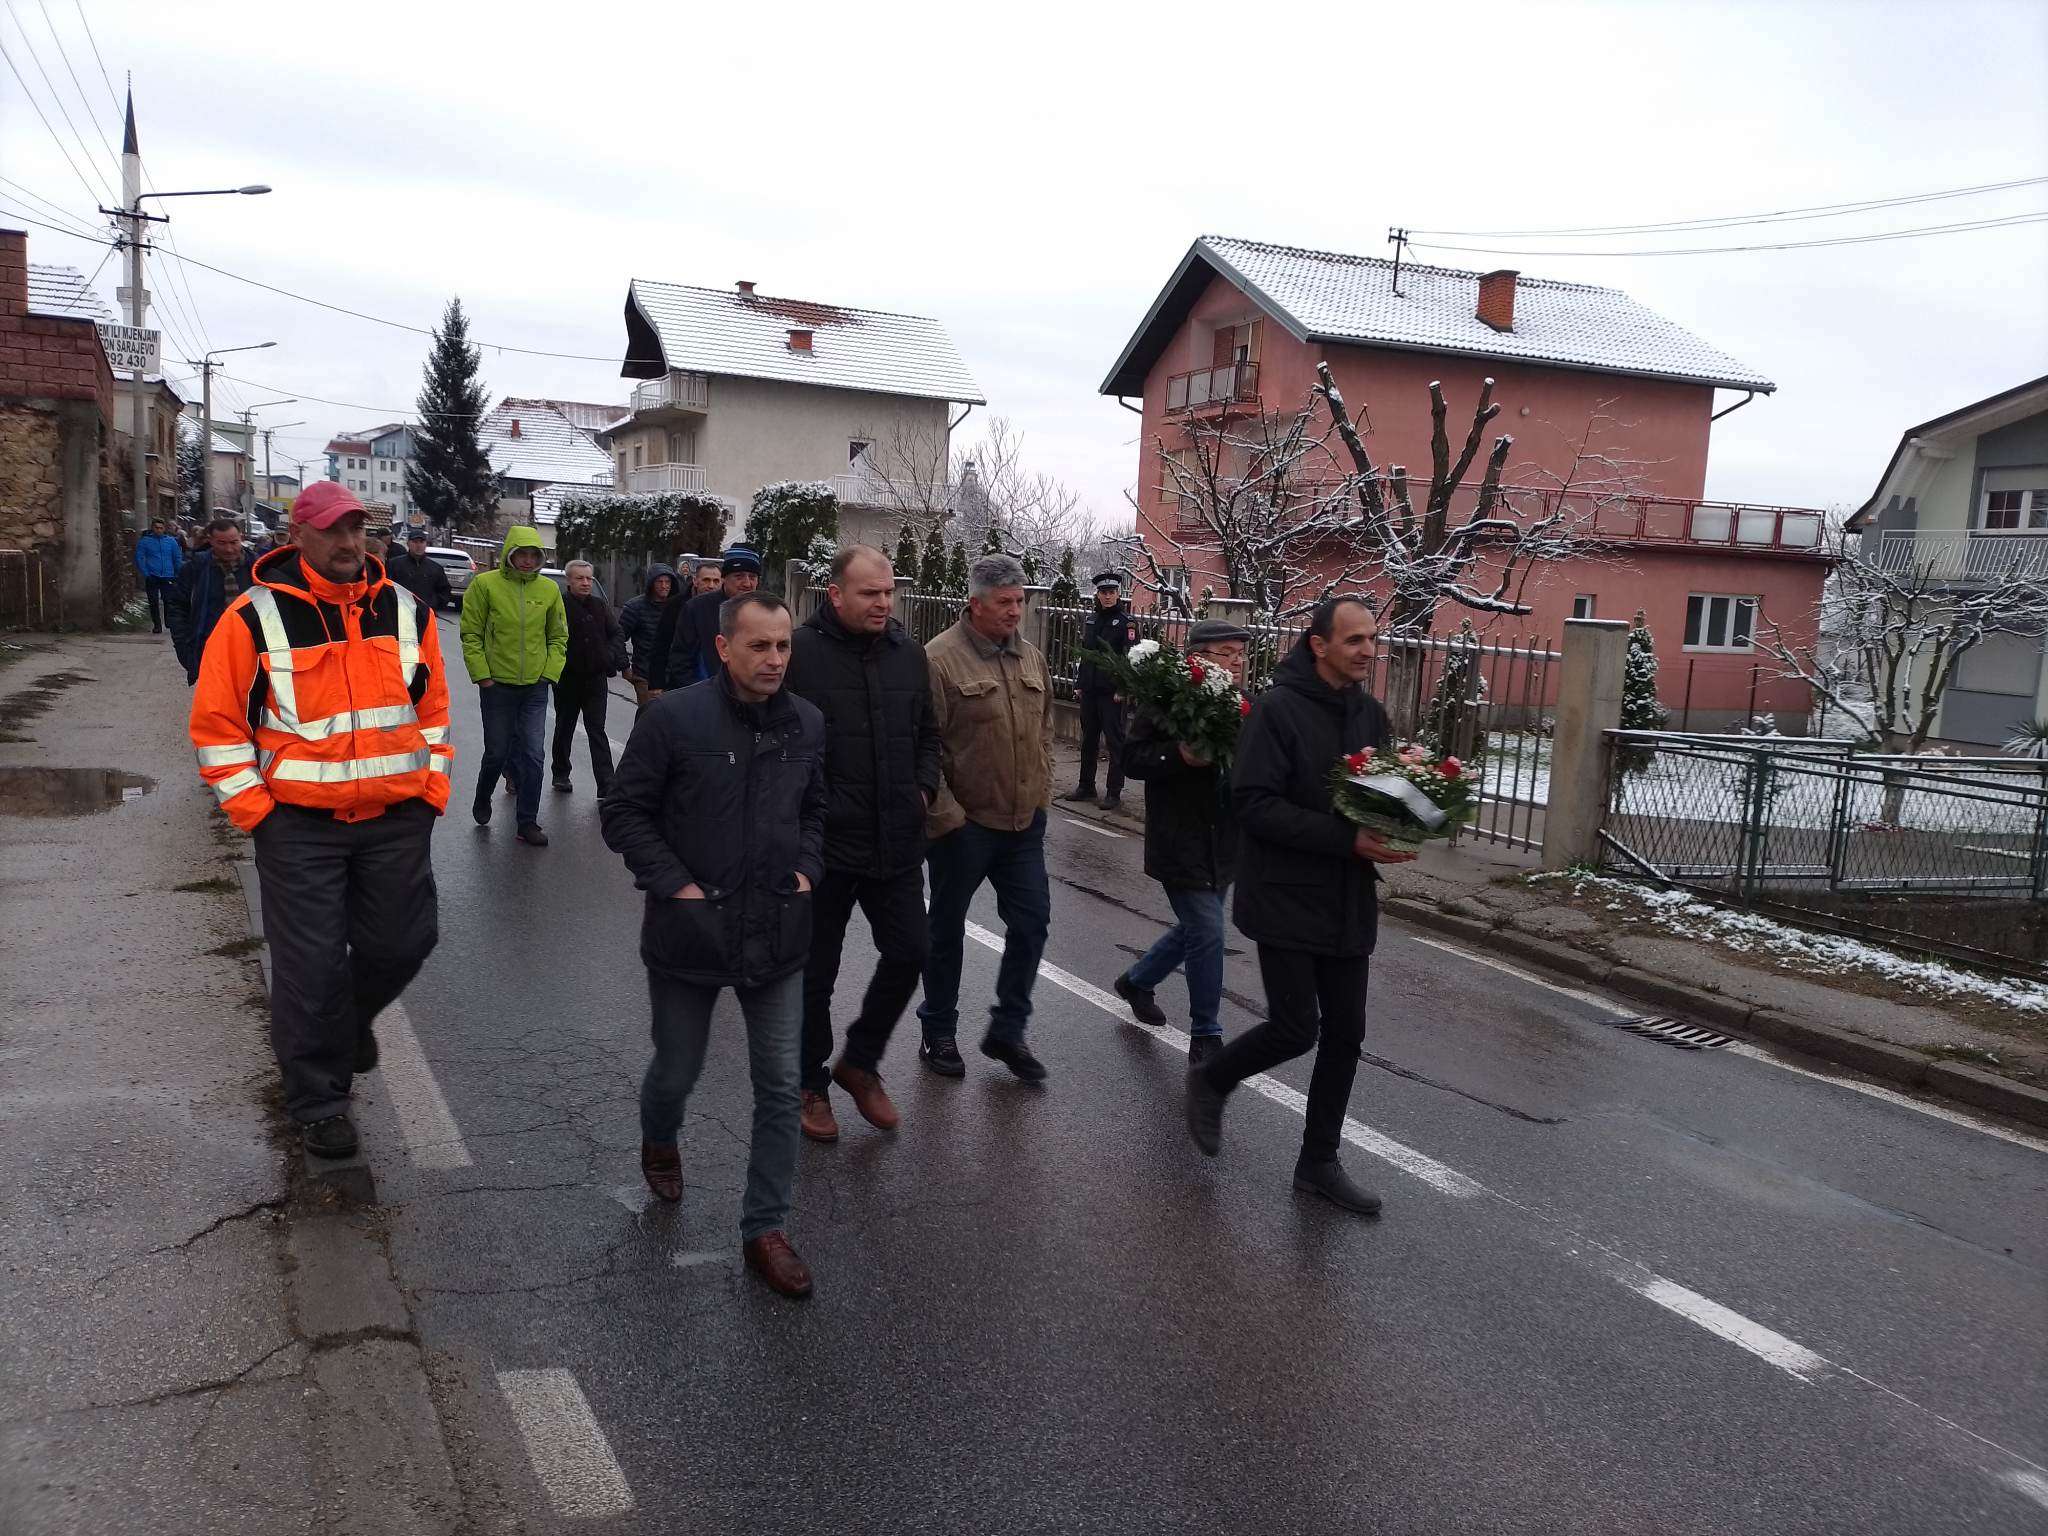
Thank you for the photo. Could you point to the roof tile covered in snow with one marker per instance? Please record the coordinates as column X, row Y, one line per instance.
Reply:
column 63, row 293
column 532, row 440
column 726, row 331
column 1327, row 296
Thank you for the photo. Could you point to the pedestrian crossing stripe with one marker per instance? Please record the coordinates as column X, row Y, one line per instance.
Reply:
column 1684, row 1036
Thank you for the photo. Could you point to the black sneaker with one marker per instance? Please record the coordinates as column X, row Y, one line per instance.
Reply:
column 564, row 786
column 1202, row 1047
column 366, row 1050
column 1016, row 1057
column 1205, row 1113
column 1331, row 1182
column 942, row 1057
column 532, row 833
column 1080, row 797
column 1112, row 802
column 1143, row 1008
column 333, row 1137
column 480, row 808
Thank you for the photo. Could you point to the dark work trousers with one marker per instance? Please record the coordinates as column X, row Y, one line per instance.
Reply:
column 349, row 912
column 894, row 907
column 1102, row 724
column 159, row 590
column 582, row 696
column 1311, row 1000
column 515, row 725
column 1014, row 863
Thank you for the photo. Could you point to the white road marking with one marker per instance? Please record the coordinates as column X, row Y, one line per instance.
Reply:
column 1765, row 1344
column 429, row 1129
column 2032, row 1484
column 1089, row 826
column 569, row 1453
column 1619, row 1009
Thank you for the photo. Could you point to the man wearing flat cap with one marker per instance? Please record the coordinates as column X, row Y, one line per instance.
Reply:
column 1109, row 628
column 1191, row 850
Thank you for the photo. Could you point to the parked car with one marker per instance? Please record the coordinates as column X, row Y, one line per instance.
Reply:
column 560, row 578
column 458, row 564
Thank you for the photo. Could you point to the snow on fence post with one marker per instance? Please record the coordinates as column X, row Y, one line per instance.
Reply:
column 1588, row 707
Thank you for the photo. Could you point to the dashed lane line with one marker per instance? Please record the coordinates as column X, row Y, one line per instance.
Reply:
column 1756, row 1053
column 1089, row 826
column 429, row 1128
column 569, row 1453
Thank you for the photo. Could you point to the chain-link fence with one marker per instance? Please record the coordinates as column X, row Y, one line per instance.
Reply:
column 1949, row 854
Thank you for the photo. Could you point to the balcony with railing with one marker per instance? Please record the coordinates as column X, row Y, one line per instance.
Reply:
column 1968, row 559
column 1650, row 521
column 654, row 479
column 1207, row 389
column 868, row 489
column 673, row 392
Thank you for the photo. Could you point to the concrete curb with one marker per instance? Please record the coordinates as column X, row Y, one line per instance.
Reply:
column 1877, row 1058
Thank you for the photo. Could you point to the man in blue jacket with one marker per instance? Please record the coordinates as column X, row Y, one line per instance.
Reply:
column 203, row 588
column 685, row 645
column 157, row 558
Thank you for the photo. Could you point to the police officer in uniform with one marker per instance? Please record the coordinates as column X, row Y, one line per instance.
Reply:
column 1109, row 628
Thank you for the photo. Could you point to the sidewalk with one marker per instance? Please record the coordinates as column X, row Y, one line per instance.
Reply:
column 192, row 1339
column 1927, row 1026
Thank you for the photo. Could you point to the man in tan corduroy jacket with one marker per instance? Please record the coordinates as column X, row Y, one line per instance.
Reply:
column 993, row 698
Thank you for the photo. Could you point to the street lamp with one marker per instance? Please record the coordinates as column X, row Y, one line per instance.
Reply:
column 204, row 363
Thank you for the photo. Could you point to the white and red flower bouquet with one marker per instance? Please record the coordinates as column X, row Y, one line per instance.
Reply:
column 1195, row 702
column 1404, row 795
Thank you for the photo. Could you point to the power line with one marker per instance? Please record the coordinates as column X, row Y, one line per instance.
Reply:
column 75, row 84
column 352, row 405
column 2007, row 221
column 57, row 99
column 1730, row 220
column 55, row 137
column 22, row 195
column 59, row 229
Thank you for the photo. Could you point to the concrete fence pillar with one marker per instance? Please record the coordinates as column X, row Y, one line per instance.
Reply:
column 1231, row 610
column 1036, row 601
column 1588, row 706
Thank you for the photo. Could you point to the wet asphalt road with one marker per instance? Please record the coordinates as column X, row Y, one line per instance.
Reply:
column 1624, row 1288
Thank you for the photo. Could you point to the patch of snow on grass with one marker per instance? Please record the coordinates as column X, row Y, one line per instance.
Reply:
column 1683, row 914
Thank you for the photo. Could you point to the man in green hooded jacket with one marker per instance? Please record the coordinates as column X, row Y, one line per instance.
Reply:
column 515, row 638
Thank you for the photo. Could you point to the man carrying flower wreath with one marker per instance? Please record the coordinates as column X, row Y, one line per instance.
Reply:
column 1305, row 891
column 1190, row 849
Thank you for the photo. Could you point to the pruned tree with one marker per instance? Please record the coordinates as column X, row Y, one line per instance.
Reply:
column 1902, row 627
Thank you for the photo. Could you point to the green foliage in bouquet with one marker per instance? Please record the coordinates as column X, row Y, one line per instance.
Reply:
column 1197, row 704
column 1389, row 812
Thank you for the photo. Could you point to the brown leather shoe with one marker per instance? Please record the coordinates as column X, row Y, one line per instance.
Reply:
column 868, row 1096
column 817, row 1119
column 771, row 1257
column 662, row 1166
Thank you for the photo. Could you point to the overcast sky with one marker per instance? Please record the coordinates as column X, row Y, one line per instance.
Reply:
column 1030, row 176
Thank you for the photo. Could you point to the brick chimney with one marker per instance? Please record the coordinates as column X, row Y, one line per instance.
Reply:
column 13, row 274
column 515, row 426
column 799, row 339
column 1497, row 299
column 746, row 288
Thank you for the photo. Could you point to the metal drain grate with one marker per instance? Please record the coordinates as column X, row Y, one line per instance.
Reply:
column 1685, row 1036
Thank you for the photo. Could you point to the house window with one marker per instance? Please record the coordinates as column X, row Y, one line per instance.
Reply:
column 2015, row 508
column 1582, row 606
column 639, row 453
column 857, row 452
column 1717, row 622
column 622, row 466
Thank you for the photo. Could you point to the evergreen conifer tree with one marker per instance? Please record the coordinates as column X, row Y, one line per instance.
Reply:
column 450, row 478
column 931, row 567
column 1640, row 710
column 906, row 552
column 956, row 572
column 1066, row 586
column 992, row 541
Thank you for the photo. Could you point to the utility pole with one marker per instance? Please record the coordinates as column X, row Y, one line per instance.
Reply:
column 205, row 365
column 138, row 308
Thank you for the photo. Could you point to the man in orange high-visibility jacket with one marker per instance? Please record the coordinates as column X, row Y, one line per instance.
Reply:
column 321, row 720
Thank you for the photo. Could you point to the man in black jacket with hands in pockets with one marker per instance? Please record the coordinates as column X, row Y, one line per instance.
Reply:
column 1305, row 891
column 718, row 808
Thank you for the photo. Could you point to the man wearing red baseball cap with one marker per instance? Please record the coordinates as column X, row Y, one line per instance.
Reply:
column 321, row 721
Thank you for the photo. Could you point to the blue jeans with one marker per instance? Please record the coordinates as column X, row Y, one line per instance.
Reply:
column 515, row 721
column 1014, row 863
column 1196, row 942
column 774, row 1013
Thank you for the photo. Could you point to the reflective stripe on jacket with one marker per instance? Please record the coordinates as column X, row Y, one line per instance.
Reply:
column 322, row 695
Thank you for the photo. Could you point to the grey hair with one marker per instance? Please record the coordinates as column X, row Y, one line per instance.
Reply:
column 992, row 571
column 578, row 565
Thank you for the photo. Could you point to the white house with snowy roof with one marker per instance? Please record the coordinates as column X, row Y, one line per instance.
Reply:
column 534, row 445
column 739, row 389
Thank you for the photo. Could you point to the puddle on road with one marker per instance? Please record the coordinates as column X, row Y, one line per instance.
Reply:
column 68, row 791
column 18, row 709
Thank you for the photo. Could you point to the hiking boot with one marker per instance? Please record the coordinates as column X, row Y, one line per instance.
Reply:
column 532, row 834
column 1081, row 796
column 661, row 1165
column 771, row 1257
column 865, row 1088
column 563, row 784
column 1016, row 1056
column 1202, row 1047
column 816, row 1119
column 334, row 1136
column 1205, row 1113
column 942, row 1057
column 1143, row 1008
column 1331, row 1182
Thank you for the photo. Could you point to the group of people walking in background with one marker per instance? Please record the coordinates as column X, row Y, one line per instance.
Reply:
column 778, row 777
